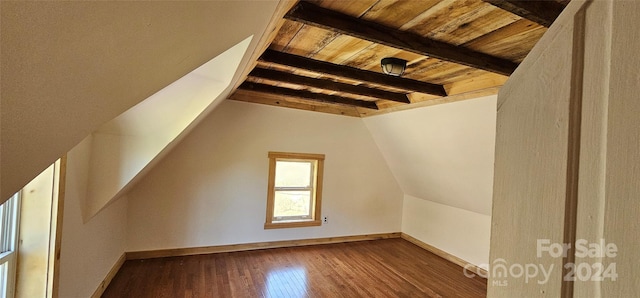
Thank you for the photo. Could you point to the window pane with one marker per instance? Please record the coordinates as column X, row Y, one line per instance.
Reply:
column 3, row 280
column 292, row 203
column 293, row 174
column 4, row 246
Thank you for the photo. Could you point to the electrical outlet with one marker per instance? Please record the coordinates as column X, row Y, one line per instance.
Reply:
column 325, row 220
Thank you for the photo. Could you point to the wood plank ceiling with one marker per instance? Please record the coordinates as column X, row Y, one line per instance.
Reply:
column 326, row 54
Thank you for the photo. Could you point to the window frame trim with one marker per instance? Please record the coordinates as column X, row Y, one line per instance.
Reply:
column 317, row 190
column 11, row 221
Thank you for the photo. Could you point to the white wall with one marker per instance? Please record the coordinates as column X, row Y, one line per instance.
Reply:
column 442, row 157
column 89, row 250
column 442, row 153
column 211, row 189
column 459, row 232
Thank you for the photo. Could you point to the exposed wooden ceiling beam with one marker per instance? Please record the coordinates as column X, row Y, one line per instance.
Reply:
column 352, row 73
column 314, row 15
column 286, row 77
column 307, row 95
column 542, row 12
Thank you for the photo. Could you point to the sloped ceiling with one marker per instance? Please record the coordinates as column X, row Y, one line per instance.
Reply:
column 124, row 147
column 442, row 153
column 69, row 67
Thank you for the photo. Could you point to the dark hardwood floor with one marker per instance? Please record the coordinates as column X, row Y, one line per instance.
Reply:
column 379, row 268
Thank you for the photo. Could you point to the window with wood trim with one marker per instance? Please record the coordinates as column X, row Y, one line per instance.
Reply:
column 295, row 190
column 9, row 220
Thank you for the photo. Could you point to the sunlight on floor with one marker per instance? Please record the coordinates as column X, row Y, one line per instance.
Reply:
column 286, row 282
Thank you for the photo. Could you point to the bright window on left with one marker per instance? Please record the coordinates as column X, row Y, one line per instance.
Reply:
column 8, row 238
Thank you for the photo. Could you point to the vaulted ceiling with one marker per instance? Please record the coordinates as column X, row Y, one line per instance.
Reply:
column 326, row 54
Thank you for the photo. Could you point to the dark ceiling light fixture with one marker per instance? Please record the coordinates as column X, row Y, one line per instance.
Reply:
column 393, row 66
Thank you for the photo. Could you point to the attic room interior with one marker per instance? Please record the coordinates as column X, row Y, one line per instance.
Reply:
column 326, row 148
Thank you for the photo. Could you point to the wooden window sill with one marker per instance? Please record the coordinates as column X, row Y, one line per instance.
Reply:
column 292, row 224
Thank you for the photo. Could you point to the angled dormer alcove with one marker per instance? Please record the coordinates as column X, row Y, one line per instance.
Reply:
column 123, row 148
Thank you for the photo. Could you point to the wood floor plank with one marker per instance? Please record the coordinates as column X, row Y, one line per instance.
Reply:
column 380, row 268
